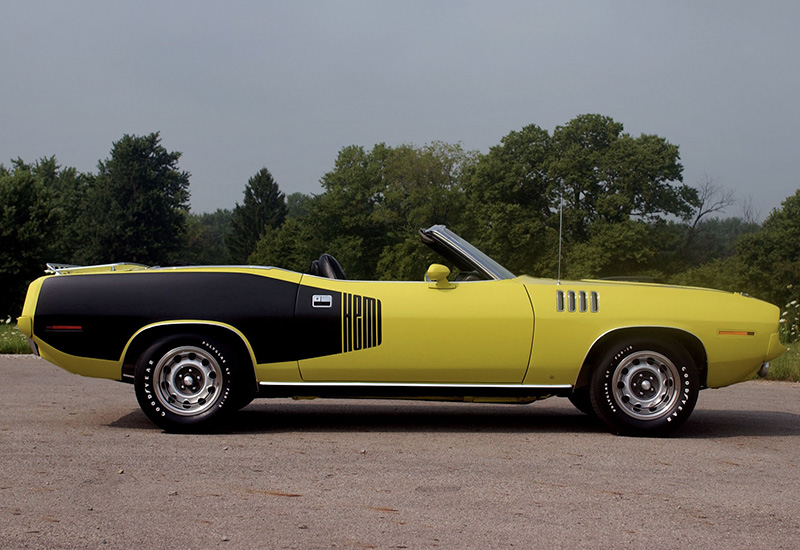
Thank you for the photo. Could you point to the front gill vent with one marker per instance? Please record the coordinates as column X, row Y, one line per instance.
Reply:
column 580, row 301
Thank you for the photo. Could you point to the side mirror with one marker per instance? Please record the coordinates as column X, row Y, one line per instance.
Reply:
column 437, row 276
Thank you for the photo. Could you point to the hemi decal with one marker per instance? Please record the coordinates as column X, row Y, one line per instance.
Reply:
column 361, row 322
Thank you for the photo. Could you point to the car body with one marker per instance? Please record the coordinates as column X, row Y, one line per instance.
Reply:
column 199, row 342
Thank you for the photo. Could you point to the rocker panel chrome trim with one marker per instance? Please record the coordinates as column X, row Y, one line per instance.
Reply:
column 406, row 390
column 433, row 386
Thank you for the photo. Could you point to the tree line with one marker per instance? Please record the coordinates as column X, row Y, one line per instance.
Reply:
column 619, row 200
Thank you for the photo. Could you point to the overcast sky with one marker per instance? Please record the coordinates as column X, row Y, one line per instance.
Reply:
column 237, row 86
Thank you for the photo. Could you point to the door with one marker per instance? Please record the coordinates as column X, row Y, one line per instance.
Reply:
column 412, row 332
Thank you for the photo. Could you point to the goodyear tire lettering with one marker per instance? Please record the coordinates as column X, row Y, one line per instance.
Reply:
column 644, row 387
column 183, row 383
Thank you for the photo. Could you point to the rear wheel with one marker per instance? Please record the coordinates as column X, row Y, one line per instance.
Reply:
column 645, row 387
column 185, row 383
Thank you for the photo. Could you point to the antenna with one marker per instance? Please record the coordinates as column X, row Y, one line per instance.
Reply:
column 560, row 227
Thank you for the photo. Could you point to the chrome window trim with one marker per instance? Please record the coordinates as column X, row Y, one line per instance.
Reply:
column 480, row 259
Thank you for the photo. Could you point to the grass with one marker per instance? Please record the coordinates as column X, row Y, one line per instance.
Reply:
column 12, row 340
column 787, row 366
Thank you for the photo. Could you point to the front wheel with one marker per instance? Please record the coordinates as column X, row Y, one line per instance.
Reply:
column 582, row 401
column 185, row 383
column 645, row 387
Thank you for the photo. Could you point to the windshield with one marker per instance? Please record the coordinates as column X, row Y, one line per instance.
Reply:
column 465, row 256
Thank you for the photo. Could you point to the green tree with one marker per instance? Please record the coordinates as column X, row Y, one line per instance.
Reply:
column 603, row 176
column 510, row 198
column 26, row 229
column 612, row 249
column 293, row 245
column 625, row 206
column 344, row 216
column 376, row 201
column 67, row 191
column 373, row 204
column 715, row 238
column 772, row 255
column 297, row 205
column 137, row 205
column 422, row 187
column 206, row 235
column 728, row 274
column 264, row 207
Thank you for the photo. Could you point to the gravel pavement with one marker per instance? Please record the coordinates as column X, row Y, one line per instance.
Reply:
column 82, row 467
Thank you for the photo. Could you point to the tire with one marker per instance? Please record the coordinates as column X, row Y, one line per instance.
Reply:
column 582, row 401
column 187, row 383
column 244, row 398
column 645, row 387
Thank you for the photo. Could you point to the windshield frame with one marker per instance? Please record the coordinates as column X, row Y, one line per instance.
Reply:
column 464, row 255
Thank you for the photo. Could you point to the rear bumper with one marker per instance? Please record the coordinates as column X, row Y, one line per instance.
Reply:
column 25, row 325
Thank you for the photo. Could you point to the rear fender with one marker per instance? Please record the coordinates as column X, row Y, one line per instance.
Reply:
column 146, row 336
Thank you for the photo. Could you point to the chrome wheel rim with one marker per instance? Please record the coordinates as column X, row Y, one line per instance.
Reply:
column 646, row 385
column 188, row 380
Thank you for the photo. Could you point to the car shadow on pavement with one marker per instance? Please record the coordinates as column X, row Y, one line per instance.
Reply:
column 367, row 416
column 455, row 418
column 720, row 423
column 373, row 416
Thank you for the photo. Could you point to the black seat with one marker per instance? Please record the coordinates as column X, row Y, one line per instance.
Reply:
column 468, row 276
column 327, row 266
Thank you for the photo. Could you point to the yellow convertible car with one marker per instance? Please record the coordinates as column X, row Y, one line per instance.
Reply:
column 200, row 342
